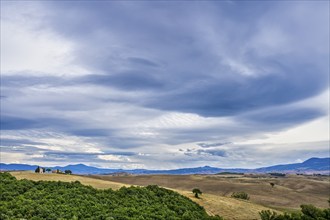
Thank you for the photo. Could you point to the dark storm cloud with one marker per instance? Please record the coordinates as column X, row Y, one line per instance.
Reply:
column 123, row 141
column 18, row 142
column 132, row 80
column 230, row 97
column 91, row 132
column 217, row 60
column 20, row 80
column 22, row 123
column 194, row 79
column 142, row 61
column 18, row 123
column 285, row 117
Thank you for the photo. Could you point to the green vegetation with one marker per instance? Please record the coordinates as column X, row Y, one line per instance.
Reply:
column 26, row 199
column 197, row 191
column 308, row 212
column 277, row 174
column 68, row 172
column 240, row 195
column 229, row 173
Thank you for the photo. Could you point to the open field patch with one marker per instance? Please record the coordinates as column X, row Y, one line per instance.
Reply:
column 288, row 192
column 96, row 183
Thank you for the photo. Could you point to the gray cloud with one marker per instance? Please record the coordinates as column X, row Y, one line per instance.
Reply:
column 211, row 86
column 17, row 123
column 229, row 71
column 213, row 152
column 25, row 149
column 206, row 152
column 206, row 145
column 17, row 142
column 142, row 61
column 126, row 81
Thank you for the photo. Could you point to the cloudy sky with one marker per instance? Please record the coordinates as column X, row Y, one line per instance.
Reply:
column 164, row 84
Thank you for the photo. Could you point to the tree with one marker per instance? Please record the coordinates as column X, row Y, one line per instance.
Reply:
column 68, row 172
column 311, row 211
column 268, row 215
column 37, row 170
column 197, row 191
column 240, row 195
column 272, row 184
column 48, row 170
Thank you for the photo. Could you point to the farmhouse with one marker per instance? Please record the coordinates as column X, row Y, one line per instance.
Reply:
column 57, row 171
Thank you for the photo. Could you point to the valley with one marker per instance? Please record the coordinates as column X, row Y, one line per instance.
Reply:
column 287, row 194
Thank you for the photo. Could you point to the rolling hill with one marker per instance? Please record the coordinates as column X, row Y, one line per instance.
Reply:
column 26, row 199
column 312, row 165
column 214, row 204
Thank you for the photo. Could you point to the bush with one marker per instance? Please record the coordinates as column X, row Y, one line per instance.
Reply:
column 240, row 195
column 268, row 215
column 278, row 174
column 308, row 212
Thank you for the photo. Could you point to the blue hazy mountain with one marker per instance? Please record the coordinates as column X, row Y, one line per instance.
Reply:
column 15, row 166
column 84, row 169
column 312, row 165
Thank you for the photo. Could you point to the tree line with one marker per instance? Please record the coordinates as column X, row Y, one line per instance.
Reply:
column 48, row 170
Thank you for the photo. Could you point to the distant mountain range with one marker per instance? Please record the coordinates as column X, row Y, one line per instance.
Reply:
column 312, row 165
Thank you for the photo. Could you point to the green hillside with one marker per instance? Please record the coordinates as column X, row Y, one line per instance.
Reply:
column 59, row 200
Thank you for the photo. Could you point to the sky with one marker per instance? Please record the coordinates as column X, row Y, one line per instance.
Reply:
column 164, row 84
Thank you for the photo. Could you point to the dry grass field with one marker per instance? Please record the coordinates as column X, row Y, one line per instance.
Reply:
column 213, row 204
column 288, row 193
column 96, row 183
column 229, row 208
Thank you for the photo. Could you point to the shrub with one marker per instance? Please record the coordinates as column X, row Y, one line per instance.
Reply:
column 278, row 174
column 268, row 215
column 308, row 212
column 240, row 195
